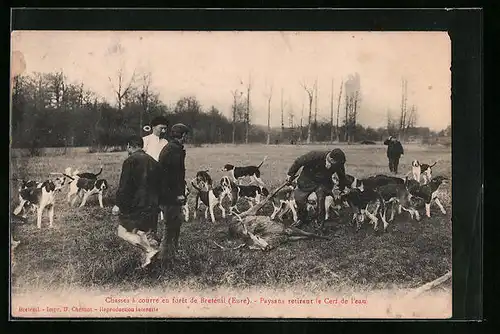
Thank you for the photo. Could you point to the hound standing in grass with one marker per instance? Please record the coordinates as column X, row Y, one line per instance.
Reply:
column 137, row 200
column 42, row 197
column 423, row 171
column 237, row 173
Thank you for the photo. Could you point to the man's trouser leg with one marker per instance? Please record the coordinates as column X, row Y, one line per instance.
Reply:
column 321, row 194
column 170, row 241
column 136, row 228
column 301, row 201
column 391, row 164
column 396, row 163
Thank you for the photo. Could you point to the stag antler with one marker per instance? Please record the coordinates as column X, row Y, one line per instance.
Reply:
column 253, row 210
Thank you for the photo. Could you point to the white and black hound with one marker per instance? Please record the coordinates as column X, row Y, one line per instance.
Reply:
column 398, row 195
column 420, row 170
column 366, row 203
column 73, row 188
column 428, row 192
column 86, row 188
column 24, row 185
column 283, row 202
column 41, row 197
column 86, row 175
column 251, row 193
column 210, row 198
column 203, row 176
column 238, row 173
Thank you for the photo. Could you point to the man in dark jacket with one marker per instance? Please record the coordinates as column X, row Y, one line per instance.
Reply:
column 137, row 199
column 316, row 176
column 394, row 152
column 172, row 197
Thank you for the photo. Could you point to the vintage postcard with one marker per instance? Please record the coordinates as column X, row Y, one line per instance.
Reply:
column 184, row 174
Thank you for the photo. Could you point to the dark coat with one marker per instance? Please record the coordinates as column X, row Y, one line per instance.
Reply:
column 394, row 148
column 138, row 190
column 173, row 172
column 315, row 172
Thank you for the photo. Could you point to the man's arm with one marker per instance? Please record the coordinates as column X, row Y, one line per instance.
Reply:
column 125, row 186
column 302, row 161
column 386, row 142
column 342, row 178
column 401, row 149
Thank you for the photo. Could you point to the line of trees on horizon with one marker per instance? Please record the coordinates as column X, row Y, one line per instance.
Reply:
column 50, row 111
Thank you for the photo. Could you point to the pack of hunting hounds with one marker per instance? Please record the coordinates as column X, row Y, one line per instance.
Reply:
column 369, row 198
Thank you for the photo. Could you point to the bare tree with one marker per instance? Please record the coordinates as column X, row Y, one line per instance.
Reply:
column 269, row 96
column 338, row 111
column 56, row 83
column 404, row 111
column 392, row 124
column 121, row 88
column 353, row 114
column 411, row 120
column 331, row 115
column 235, row 93
column 282, row 119
column 346, row 120
column 315, row 108
column 301, row 120
column 291, row 121
column 144, row 97
column 291, row 116
column 247, row 114
column 407, row 117
column 353, row 96
column 310, row 94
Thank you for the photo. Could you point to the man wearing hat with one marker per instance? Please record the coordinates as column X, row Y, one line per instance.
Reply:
column 172, row 198
column 316, row 176
column 154, row 143
column 394, row 152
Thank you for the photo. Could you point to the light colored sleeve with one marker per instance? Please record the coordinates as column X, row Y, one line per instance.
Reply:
column 146, row 143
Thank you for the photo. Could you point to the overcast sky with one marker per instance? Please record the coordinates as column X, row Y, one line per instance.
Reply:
column 209, row 65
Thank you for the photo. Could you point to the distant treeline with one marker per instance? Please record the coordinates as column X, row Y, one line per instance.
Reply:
column 49, row 111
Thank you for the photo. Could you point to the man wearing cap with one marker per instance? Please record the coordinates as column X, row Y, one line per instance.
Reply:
column 394, row 152
column 172, row 197
column 137, row 200
column 316, row 176
column 154, row 143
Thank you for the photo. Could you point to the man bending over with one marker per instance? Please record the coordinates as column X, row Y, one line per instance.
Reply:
column 316, row 176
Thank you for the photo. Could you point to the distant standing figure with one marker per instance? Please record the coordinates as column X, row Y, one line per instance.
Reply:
column 137, row 200
column 394, row 152
column 172, row 196
column 154, row 143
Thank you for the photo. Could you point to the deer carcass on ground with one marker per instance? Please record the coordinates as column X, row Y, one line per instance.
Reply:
column 262, row 232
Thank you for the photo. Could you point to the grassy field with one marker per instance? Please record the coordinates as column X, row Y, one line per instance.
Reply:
column 83, row 250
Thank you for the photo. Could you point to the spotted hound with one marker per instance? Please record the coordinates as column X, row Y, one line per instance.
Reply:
column 237, row 173
column 42, row 197
column 423, row 171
